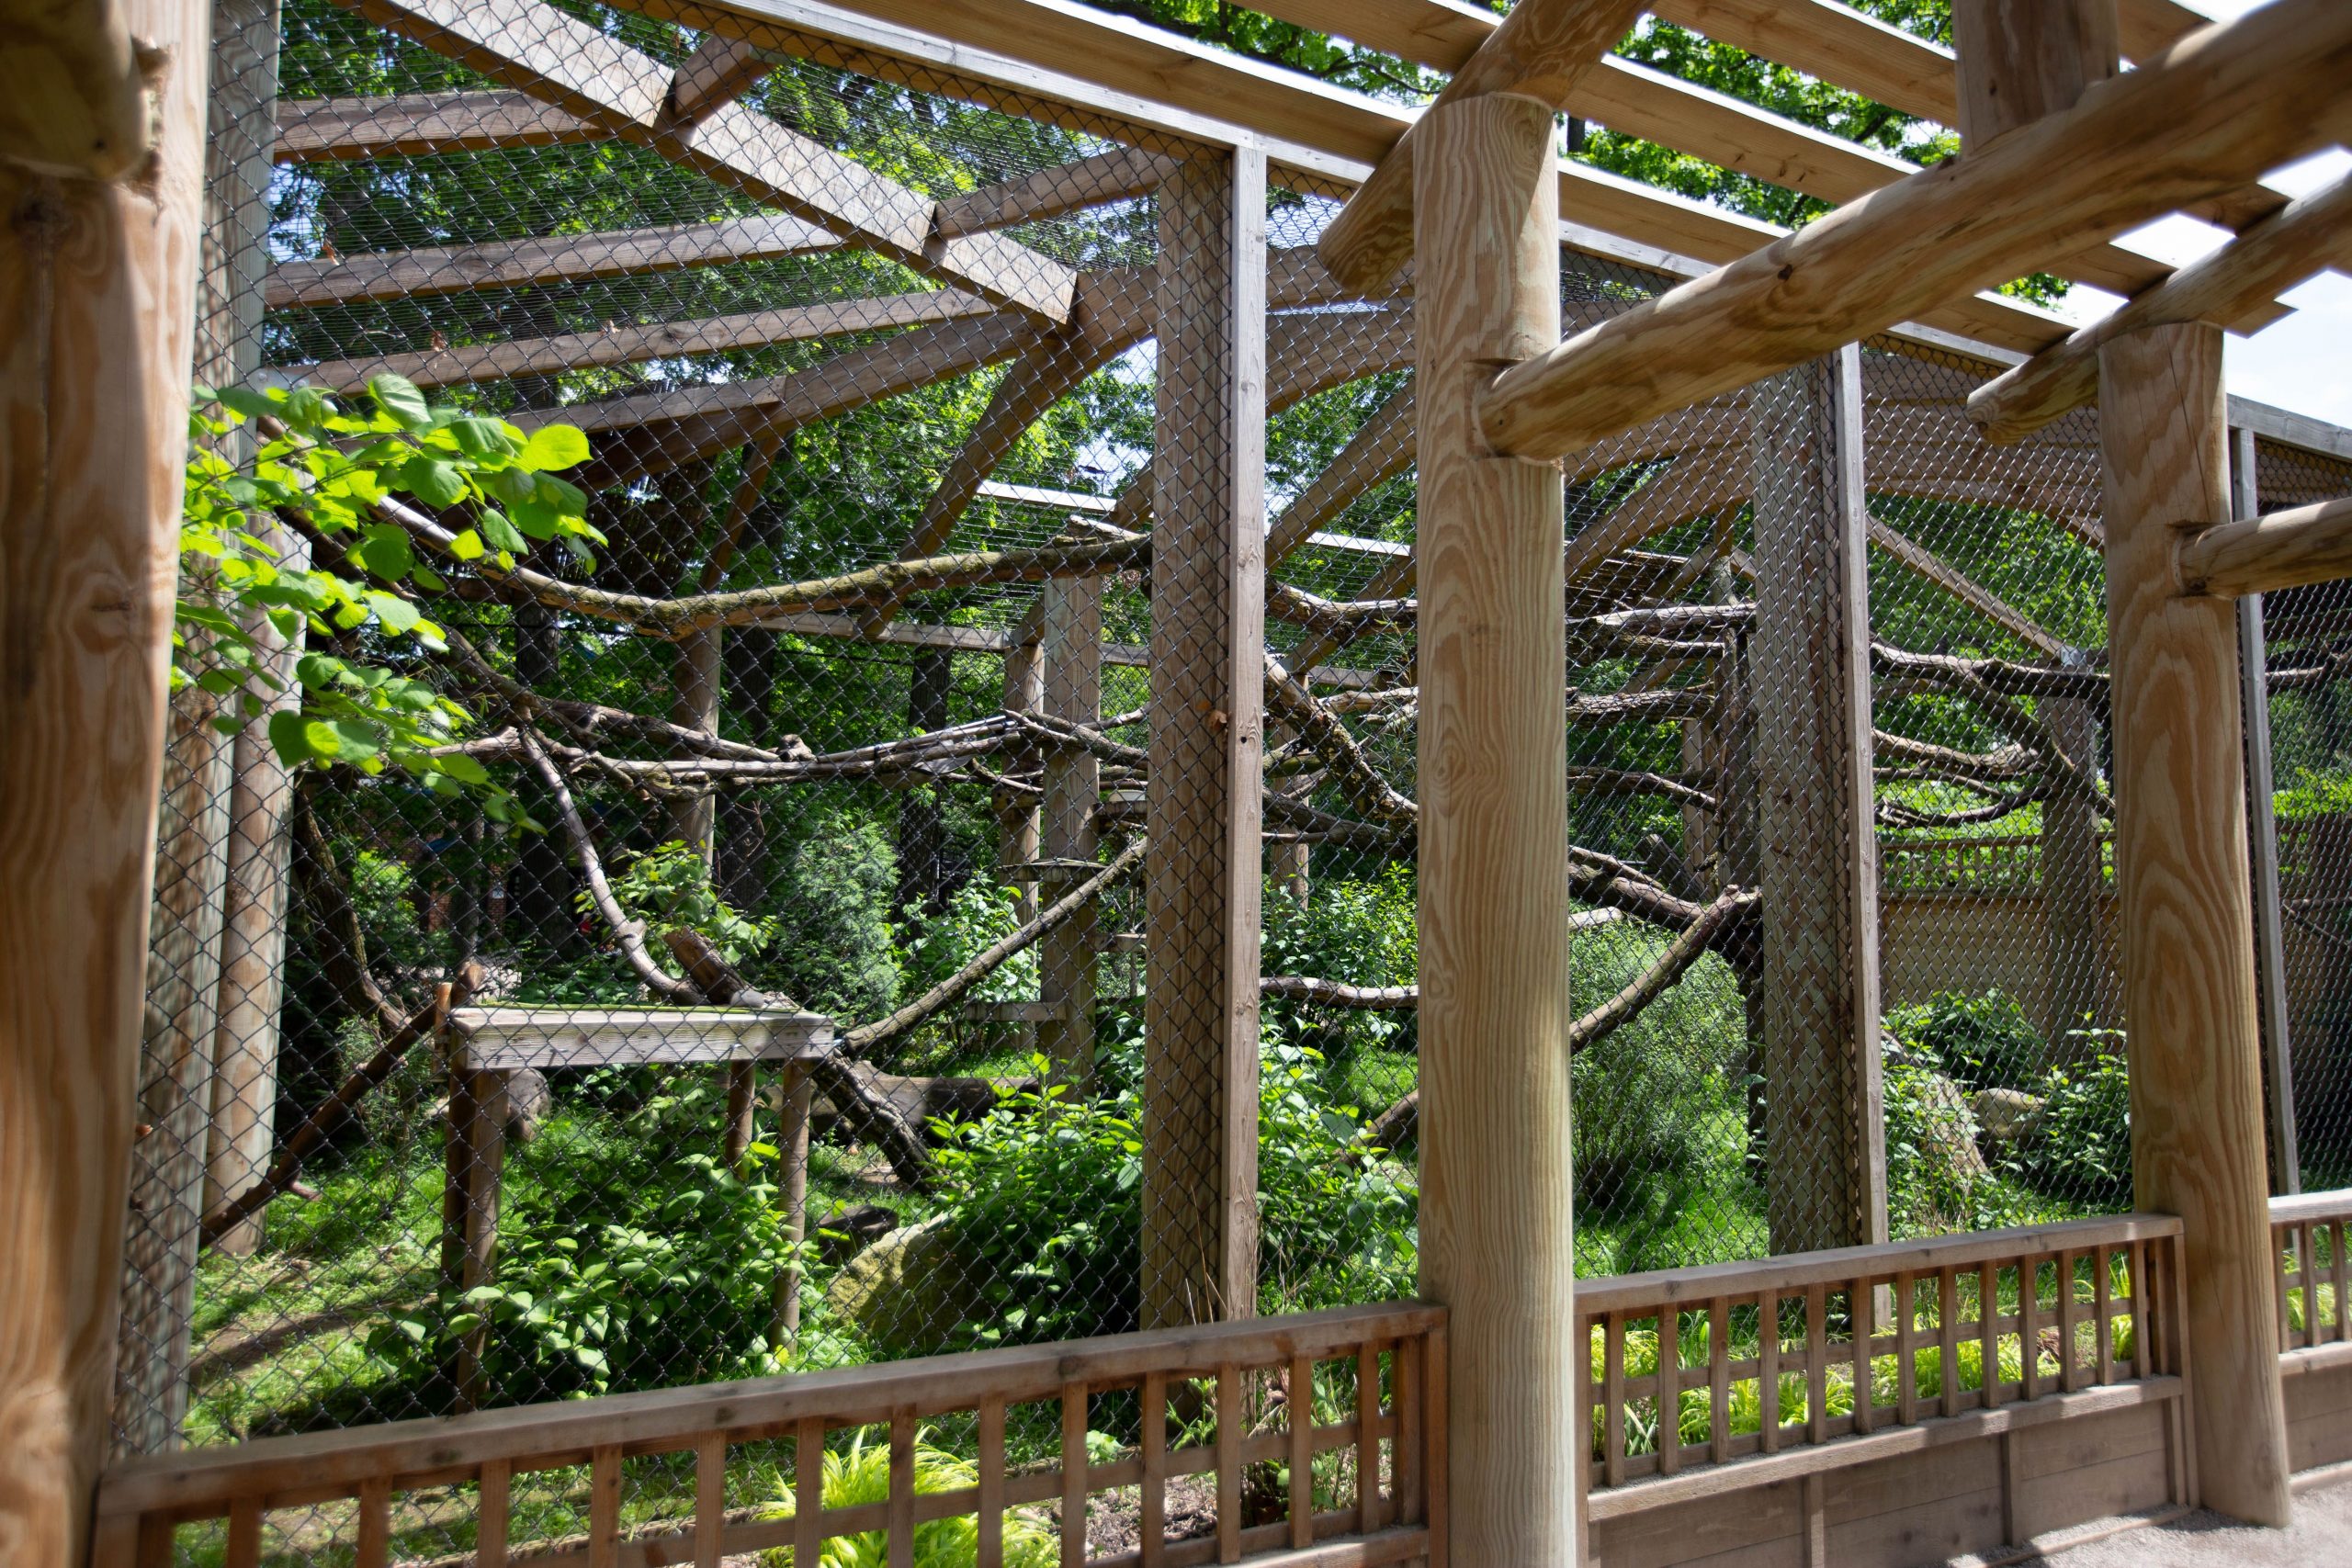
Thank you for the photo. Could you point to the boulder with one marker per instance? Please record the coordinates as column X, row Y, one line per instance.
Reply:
column 1951, row 1128
column 848, row 1231
column 2007, row 1115
column 908, row 1291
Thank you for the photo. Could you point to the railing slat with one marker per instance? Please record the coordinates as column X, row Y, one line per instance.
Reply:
column 1670, row 1391
column 1719, row 1379
column 1298, row 1415
column 2335, row 1260
column 1907, row 1369
column 710, row 1498
column 901, row 1536
column 1612, row 1402
column 605, row 1507
column 1948, row 1337
column 808, row 1491
column 2103, row 1303
column 2029, row 1330
column 1228, row 1463
column 1433, row 1380
column 491, row 1513
column 1368, row 1438
column 375, row 1544
column 1989, row 1333
column 1768, row 1372
column 989, row 1550
column 1816, row 1363
column 1860, row 1309
column 244, row 1534
column 1407, row 1463
column 2307, row 1265
column 1074, row 1473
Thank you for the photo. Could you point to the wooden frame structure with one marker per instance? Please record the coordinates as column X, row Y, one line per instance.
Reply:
column 2066, row 151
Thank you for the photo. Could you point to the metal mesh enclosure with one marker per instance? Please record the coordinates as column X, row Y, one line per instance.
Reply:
column 967, row 895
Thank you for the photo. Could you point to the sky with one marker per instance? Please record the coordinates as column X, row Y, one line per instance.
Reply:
column 2303, row 362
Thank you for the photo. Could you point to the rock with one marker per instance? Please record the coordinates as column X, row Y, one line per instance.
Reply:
column 908, row 1291
column 527, row 1100
column 1951, row 1128
column 853, row 1231
column 2007, row 1115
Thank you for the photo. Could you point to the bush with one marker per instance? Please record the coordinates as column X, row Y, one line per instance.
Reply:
column 2083, row 1148
column 1357, row 932
column 838, row 957
column 1985, row 1042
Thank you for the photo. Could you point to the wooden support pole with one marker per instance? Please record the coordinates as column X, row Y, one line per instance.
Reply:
column 2186, row 917
column 1073, row 656
column 259, row 845
column 473, row 1170
column 1018, row 828
column 2076, row 957
column 1817, row 863
column 799, row 1095
column 2262, row 824
column 96, row 311
column 2019, row 60
column 1208, row 639
column 1496, row 1242
column 695, row 662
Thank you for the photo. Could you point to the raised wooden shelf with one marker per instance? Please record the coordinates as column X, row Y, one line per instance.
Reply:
column 505, row 1038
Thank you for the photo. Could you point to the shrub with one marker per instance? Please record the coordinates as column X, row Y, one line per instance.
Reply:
column 1358, row 933
column 2083, row 1149
column 1984, row 1041
column 670, row 889
column 861, row 1476
column 838, row 958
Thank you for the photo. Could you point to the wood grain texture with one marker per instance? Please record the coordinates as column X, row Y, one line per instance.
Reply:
column 96, row 328
column 2230, row 102
column 2310, row 234
column 2187, row 925
column 2269, row 916
column 1818, row 873
column 1540, row 51
column 73, row 92
column 416, row 125
column 2019, row 60
column 1493, row 912
column 2287, row 548
column 1203, row 881
column 1071, row 653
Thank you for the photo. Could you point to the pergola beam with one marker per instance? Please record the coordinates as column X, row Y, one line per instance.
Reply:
column 2291, row 548
column 719, row 72
column 2278, row 254
column 1119, row 174
column 412, row 125
column 582, row 71
column 1540, row 51
column 2229, row 102
column 1933, row 569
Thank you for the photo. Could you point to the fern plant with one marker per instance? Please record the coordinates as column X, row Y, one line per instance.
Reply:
column 861, row 1476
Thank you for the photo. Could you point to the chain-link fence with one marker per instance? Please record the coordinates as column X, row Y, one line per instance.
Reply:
column 968, row 893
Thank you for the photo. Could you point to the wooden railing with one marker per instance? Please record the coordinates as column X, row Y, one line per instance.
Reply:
column 2307, row 1233
column 2073, row 1320
column 1992, row 863
column 1227, row 1378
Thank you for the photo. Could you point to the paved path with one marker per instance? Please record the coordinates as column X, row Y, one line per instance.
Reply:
column 2321, row 1537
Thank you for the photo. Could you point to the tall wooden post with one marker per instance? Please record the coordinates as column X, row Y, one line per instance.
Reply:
column 921, row 877
column 2186, row 917
column 695, row 663
column 2262, row 822
column 260, row 847
column 1208, row 639
column 1072, row 651
column 1017, row 825
column 97, row 280
column 2073, row 885
column 1825, row 1172
column 1496, row 1242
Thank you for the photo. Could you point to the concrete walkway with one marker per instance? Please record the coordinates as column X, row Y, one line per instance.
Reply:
column 2321, row 1537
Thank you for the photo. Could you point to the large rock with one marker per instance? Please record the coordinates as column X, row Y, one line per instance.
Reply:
column 1951, row 1128
column 2007, row 1115
column 908, row 1291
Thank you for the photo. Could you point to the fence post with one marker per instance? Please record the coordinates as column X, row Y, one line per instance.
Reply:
column 2269, row 937
column 1208, row 641
column 1072, row 656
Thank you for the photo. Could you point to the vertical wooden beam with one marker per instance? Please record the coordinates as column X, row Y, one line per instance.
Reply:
column 2074, row 883
column 1018, row 828
column 694, row 664
column 1817, row 855
column 96, row 312
column 2187, row 915
column 260, row 841
column 1208, row 639
column 2269, row 937
column 1496, row 1243
column 474, row 1172
column 921, row 877
column 1072, row 655
column 2019, row 60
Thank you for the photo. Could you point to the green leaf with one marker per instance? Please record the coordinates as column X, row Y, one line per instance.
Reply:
column 384, row 550
column 553, row 447
column 398, row 615
column 247, row 401
column 501, row 534
column 398, row 396
column 433, row 481
column 467, row 546
column 479, row 437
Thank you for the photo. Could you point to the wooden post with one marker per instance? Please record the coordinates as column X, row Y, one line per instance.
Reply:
column 1208, row 639
column 694, row 704
column 1017, row 825
column 473, row 1170
column 921, row 877
column 2269, row 938
column 1072, row 656
column 2073, row 885
column 2187, row 915
column 260, row 846
column 1816, row 848
column 97, row 321
column 2019, row 60
column 1496, row 1242
column 792, row 1139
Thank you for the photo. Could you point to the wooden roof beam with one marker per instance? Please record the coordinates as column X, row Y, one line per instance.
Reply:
column 1381, row 449
column 1933, row 569
column 1118, row 175
column 1540, row 51
column 573, row 64
column 2291, row 549
column 498, row 360
column 413, row 125
column 2277, row 254
column 720, row 71
column 2229, row 102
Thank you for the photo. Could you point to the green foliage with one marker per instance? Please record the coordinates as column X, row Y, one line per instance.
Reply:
column 330, row 467
column 862, row 1477
column 2084, row 1145
column 838, row 884
column 1984, row 1041
column 668, row 889
column 979, row 914
column 1358, row 931
column 1926, row 1123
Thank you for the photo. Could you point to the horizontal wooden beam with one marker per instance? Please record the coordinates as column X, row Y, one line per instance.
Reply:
column 1933, row 569
column 2277, row 254
column 2231, row 101
column 1835, row 42
column 2287, row 428
column 719, row 72
column 2291, row 548
column 498, row 360
column 1117, row 176
column 323, row 131
column 1541, row 50
column 554, row 258
column 573, row 64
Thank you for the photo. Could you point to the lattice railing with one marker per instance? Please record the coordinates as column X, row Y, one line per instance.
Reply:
column 2308, row 1232
column 1241, row 1382
column 2071, row 1319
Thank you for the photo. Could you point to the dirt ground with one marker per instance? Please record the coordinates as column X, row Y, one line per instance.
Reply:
column 2321, row 1537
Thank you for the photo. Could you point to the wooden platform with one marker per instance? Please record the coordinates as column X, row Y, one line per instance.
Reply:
column 507, row 1039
